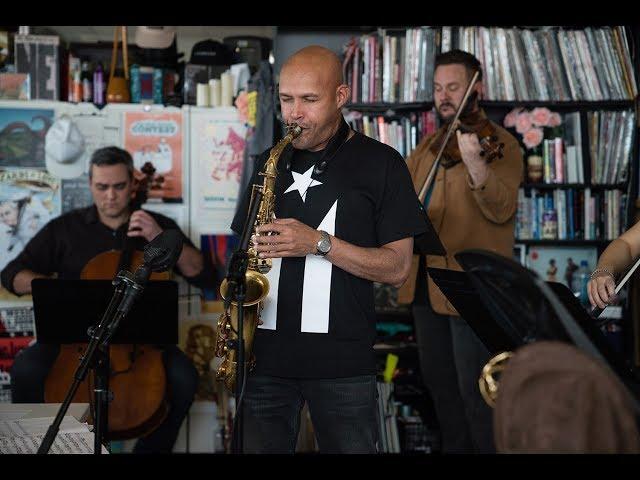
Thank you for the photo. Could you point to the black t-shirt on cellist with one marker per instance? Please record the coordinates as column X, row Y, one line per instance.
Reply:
column 319, row 320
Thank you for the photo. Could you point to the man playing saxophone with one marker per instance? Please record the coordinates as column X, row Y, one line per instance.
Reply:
column 346, row 214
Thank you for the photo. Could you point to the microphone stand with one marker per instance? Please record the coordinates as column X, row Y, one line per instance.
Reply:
column 237, row 292
column 96, row 357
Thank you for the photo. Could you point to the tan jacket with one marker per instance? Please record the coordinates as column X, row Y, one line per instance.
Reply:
column 465, row 216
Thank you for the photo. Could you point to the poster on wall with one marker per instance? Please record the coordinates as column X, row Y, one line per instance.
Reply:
column 9, row 348
column 217, row 250
column 217, row 152
column 198, row 341
column 155, row 142
column 29, row 198
column 559, row 264
column 22, row 134
column 177, row 213
column 76, row 193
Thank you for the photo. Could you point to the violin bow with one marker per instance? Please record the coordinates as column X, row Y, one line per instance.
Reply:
column 452, row 126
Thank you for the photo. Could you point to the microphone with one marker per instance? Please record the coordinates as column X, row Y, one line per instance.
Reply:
column 160, row 254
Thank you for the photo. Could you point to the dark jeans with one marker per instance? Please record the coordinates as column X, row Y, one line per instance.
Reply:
column 451, row 359
column 343, row 412
column 32, row 365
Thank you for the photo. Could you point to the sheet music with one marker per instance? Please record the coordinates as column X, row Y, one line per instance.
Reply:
column 69, row 442
column 25, row 436
column 39, row 426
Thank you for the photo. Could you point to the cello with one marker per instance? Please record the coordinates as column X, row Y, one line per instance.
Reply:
column 137, row 376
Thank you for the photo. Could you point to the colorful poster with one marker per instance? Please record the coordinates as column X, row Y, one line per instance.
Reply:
column 29, row 198
column 22, row 134
column 217, row 152
column 155, row 142
column 217, row 250
column 559, row 264
column 9, row 348
column 76, row 193
column 15, row 86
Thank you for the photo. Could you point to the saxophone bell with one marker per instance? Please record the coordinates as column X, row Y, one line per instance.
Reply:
column 489, row 381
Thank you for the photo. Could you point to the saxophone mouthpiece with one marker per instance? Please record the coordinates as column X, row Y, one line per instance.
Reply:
column 294, row 129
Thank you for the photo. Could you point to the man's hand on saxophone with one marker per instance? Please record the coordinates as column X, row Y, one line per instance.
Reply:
column 293, row 239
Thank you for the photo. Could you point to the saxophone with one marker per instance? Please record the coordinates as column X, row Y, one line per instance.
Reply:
column 257, row 285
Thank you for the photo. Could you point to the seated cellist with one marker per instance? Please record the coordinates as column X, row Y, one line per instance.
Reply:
column 63, row 247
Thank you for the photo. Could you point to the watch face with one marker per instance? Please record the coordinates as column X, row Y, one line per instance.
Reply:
column 324, row 245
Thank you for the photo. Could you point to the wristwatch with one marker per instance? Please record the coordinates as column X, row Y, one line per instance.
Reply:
column 324, row 244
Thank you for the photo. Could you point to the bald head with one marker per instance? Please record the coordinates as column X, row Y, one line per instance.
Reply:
column 316, row 60
column 312, row 95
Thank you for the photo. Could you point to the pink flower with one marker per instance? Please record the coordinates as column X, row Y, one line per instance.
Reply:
column 540, row 117
column 510, row 119
column 523, row 122
column 242, row 104
column 533, row 137
column 555, row 120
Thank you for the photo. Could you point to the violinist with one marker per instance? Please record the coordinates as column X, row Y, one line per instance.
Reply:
column 471, row 203
column 63, row 247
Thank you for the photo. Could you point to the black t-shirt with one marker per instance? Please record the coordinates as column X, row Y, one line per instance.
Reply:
column 319, row 320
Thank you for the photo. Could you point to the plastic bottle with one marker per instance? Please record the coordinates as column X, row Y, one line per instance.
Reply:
column 98, row 85
column 582, row 276
column 87, row 83
column 77, row 87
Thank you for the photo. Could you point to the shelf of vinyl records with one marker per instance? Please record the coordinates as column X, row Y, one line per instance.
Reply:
column 577, row 153
column 579, row 214
column 395, row 65
column 391, row 109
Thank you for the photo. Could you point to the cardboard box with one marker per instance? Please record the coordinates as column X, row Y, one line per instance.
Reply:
column 39, row 56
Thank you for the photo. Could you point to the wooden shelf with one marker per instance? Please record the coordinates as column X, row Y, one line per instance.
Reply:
column 571, row 105
column 489, row 104
column 394, row 347
column 383, row 107
column 561, row 243
column 564, row 186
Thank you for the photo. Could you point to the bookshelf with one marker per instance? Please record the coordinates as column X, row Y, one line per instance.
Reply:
column 491, row 104
column 576, row 70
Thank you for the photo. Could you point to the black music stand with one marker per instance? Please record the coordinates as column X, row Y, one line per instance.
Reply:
column 64, row 310
column 462, row 294
column 69, row 311
column 528, row 309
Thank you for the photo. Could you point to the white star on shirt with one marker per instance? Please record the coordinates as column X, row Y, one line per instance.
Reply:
column 302, row 182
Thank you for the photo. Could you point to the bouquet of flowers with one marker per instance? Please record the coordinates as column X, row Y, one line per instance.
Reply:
column 534, row 126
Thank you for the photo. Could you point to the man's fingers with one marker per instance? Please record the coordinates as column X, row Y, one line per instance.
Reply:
column 284, row 221
column 258, row 239
column 270, row 227
column 279, row 247
column 135, row 233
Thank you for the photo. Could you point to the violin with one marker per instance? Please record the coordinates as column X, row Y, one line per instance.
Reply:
column 445, row 147
column 138, row 377
column 487, row 137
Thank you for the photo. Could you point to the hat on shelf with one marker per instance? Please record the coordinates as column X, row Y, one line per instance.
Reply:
column 155, row 37
column 64, row 149
column 211, row 52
